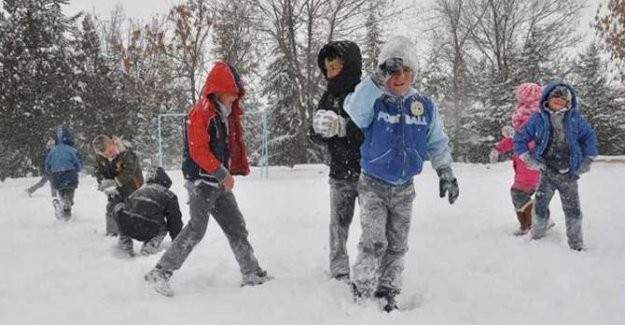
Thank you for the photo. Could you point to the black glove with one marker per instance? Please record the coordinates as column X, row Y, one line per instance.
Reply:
column 385, row 70
column 447, row 184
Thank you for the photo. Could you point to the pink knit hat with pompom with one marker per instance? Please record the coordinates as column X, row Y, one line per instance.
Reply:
column 528, row 99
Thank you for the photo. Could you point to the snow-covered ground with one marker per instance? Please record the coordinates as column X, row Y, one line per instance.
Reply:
column 463, row 267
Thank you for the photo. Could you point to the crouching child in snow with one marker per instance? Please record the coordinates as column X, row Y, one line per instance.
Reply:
column 63, row 164
column 150, row 213
column 118, row 172
column 214, row 151
column 565, row 147
column 341, row 64
column 402, row 128
column 525, row 179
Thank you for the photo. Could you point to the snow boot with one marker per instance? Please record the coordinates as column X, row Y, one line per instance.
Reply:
column 387, row 297
column 159, row 280
column 525, row 220
column 357, row 295
column 342, row 278
column 58, row 210
column 256, row 278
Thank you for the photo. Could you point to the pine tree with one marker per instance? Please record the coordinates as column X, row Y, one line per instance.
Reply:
column 373, row 38
column 600, row 101
column 37, row 76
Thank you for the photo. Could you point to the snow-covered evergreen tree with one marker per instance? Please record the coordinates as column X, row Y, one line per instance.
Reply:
column 38, row 89
column 601, row 103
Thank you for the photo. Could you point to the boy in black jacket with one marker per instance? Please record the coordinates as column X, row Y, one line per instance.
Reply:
column 341, row 64
column 150, row 212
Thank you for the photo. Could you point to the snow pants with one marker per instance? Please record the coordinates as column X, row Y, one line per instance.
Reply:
column 569, row 196
column 343, row 194
column 206, row 200
column 385, row 216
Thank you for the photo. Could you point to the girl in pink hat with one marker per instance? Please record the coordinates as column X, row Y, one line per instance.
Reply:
column 525, row 179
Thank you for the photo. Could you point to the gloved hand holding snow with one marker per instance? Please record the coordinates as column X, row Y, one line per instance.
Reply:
column 493, row 156
column 329, row 124
column 448, row 184
column 385, row 70
column 585, row 166
column 532, row 163
column 109, row 187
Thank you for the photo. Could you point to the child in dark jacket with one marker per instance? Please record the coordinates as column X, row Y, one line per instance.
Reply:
column 150, row 213
column 63, row 164
column 565, row 147
column 341, row 64
column 118, row 172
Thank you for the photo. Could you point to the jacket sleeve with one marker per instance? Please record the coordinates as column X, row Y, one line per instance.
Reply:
column 525, row 135
column 46, row 164
column 587, row 139
column 438, row 150
column 127, row 174
column 359, row 104
column 199, row 150
column 174, row 217
column 504, row 146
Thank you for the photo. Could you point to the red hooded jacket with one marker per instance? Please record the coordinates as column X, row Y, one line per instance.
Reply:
column 222, row 78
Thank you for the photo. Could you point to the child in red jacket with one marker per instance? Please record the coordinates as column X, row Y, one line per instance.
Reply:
column 525, row 179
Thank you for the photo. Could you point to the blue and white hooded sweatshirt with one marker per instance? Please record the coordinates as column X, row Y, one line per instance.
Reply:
column 401, row 132
column 578, row 134
column 63, row 162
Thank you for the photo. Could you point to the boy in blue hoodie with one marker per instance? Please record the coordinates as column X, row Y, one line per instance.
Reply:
column 565, row 147
column 63, row 164
column 402, row 128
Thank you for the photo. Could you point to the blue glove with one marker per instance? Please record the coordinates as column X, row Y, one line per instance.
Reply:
column 386, row 70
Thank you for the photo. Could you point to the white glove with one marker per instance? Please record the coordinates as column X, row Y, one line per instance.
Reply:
column 532, row 163
column 329, row 124
column 109, row 187
column 493, row 156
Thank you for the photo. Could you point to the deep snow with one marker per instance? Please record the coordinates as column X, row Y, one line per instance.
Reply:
column 463, row 267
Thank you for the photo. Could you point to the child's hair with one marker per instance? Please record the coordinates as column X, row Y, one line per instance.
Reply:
column 100, row 143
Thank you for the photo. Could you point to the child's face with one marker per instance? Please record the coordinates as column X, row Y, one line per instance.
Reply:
column 557, row 103
column 227, row 98
column 333, row 67
column 400, row 81
column 111, row 151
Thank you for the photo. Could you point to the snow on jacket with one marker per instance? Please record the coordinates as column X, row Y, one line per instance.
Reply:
column 205, row 155
column 125, row 169
column 401, row 132
column 579, row 135
column 151, row 208
column 344, row 151
column 63, row 162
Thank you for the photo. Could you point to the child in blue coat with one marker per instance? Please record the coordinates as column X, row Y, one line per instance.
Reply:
column 63, row 164
column 402, row 128
column 565, row 147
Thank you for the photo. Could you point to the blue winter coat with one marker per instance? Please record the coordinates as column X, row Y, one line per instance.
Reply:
column 63, row 162
column 401, row 132
column 579, row 134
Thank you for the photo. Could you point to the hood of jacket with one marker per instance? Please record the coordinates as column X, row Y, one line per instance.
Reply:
column 400, row 47
column 224, row 78
column 573, row 105
column 62, row 135
column 157, row 175
column 351, row 73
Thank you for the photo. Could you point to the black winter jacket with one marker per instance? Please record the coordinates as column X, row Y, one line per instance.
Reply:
column 151, row 209
column 344, row 151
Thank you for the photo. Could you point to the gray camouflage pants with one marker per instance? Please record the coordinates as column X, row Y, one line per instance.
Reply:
column 567, row 186
column 204, row 201
column 385, row 216
column 343, row 194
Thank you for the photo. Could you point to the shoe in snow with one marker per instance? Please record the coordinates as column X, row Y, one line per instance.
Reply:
column 58, row 210
column 342, row 278
column 159, row 280
column 521, row 232
column 387, row 297
column 256, row 278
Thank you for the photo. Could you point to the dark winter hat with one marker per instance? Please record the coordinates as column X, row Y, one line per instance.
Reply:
column 157, row 175
column 560, row 92
column 350, row 75
column 62, row 135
